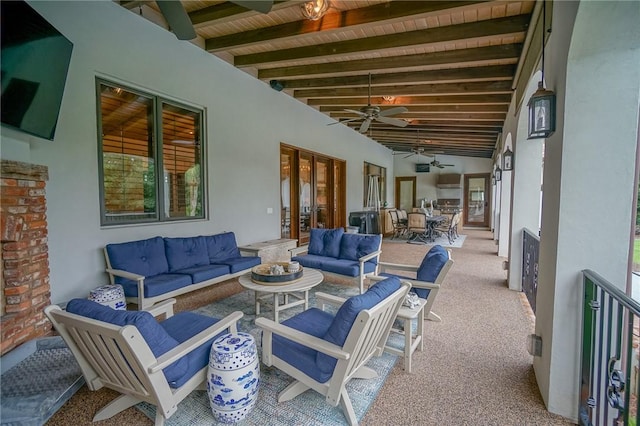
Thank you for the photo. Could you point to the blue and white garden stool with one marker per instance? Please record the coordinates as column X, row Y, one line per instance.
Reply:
column 111, row 295
column 233, row 377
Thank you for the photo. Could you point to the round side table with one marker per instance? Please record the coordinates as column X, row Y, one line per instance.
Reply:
column 233, row 377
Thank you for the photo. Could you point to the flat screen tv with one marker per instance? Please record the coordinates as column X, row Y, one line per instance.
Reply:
column 422, row 168
column 35, row 60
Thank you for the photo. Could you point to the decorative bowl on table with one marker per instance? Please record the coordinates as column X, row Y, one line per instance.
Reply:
column 276, row 273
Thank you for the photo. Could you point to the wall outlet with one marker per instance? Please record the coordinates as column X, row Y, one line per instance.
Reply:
column 269, row 210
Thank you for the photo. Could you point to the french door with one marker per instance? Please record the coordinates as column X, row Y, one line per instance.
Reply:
column 477, row 197
column 312, row 194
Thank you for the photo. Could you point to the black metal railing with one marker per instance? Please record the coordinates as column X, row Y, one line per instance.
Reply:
column 609, row 359
column 530, row 252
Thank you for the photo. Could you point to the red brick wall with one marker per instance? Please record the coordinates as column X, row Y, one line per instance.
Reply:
column 24, row 260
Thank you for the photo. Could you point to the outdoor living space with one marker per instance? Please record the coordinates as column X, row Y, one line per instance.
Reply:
column 475, row 368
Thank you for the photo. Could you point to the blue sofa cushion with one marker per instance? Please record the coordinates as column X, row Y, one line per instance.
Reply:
column 186, row 252
column 144, row 257
column 157, row 338
column 354, row 246
column 346, row 315
column 325, row 242
column 349, row 268
column 222, row 246
column 184, row 325
column 205, row 272
column 311, row 260
column 157, row 284
column 430, row 267
column 315, row 322
column 237, row 264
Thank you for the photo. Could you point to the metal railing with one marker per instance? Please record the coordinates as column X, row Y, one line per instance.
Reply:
column 609, row 359
column 530, row 252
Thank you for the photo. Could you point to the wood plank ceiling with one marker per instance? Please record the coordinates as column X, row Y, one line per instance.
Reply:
column 450, row 63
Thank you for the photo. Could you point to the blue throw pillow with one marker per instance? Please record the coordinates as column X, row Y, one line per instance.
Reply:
column 156, row 337
column 185, row 253
column 354, row 246
column 346, row 315
column 325, row 242
column 432, row 264
column 144, row 257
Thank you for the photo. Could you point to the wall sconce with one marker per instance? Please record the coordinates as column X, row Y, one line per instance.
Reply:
column 498, row 174
column 507, row 160
column 542, row 105
column 315, row 9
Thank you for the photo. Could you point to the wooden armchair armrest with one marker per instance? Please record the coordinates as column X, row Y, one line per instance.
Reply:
column 397, row 266
column 298, row 250
column 305, row 339
column 325, row 298
column 125, row 274
column 165, row 307
column 369, row 256
column 228, row 322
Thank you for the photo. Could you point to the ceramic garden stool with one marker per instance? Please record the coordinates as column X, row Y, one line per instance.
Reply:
column 233, row 377
column 109, row 295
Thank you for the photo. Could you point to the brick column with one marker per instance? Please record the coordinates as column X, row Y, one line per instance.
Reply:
column 24, row 253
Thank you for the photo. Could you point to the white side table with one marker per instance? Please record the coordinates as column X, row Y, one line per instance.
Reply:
column 272, row 250
column 233, row 377
column 411, row 341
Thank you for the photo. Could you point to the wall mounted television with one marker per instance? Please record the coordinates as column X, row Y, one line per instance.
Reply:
column 422, row 168
column 35, row 60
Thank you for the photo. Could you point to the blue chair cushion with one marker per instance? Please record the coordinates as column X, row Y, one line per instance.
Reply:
column 157, row 338
column 222, row 246
column 182, row 326
column 354, row 246
column 315, row 322
column 422, row 293
column 240, row 263
column 157, row 284
column 325, row 242
column 346, row 315
column 144, row 257
column 186, row 252
column 432, row 264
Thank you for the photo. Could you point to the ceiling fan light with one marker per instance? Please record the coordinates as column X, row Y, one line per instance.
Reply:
column 388, row 98
column 315, row 9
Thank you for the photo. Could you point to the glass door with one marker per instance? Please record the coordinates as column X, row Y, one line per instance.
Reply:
column 305, row 174
column 320, row 216
column 476, row 211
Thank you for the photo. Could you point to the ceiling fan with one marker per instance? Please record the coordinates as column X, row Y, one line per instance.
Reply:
column 373, row 112
column 436, row 163
column 180, row 23
column 415, row 151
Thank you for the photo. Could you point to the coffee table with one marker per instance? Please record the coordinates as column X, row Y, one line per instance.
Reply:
column 310, row 278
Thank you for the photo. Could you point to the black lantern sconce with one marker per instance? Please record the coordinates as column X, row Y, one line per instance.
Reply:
column 498, row 174
column 542, row 105
column 507, row 160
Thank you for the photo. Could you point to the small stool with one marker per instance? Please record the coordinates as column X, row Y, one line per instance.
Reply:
column 233, row 377
column 109, row 295
column 411, row 341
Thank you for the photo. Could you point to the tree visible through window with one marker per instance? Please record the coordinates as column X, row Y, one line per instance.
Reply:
column 143, row 180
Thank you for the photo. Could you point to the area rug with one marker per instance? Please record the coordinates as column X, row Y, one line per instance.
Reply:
column 309, row 408
column 443, row 241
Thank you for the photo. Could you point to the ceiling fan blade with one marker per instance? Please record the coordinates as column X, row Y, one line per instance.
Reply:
column 177, row 18
column 343, row 121
column 447, row 165
column 392, row 111
column 365, row 125
column 392, row 121
column 413, row 153
column 354, row 111
column 262, row 6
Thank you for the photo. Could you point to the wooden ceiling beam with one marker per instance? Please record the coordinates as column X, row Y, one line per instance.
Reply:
column 479, row 31
column 426, row 108
column 417, row 100
column 475, row 87
column 487, row 73
column 352, row 18
column 509, row 52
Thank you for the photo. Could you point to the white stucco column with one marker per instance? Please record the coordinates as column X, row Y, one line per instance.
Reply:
column 588, row 189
